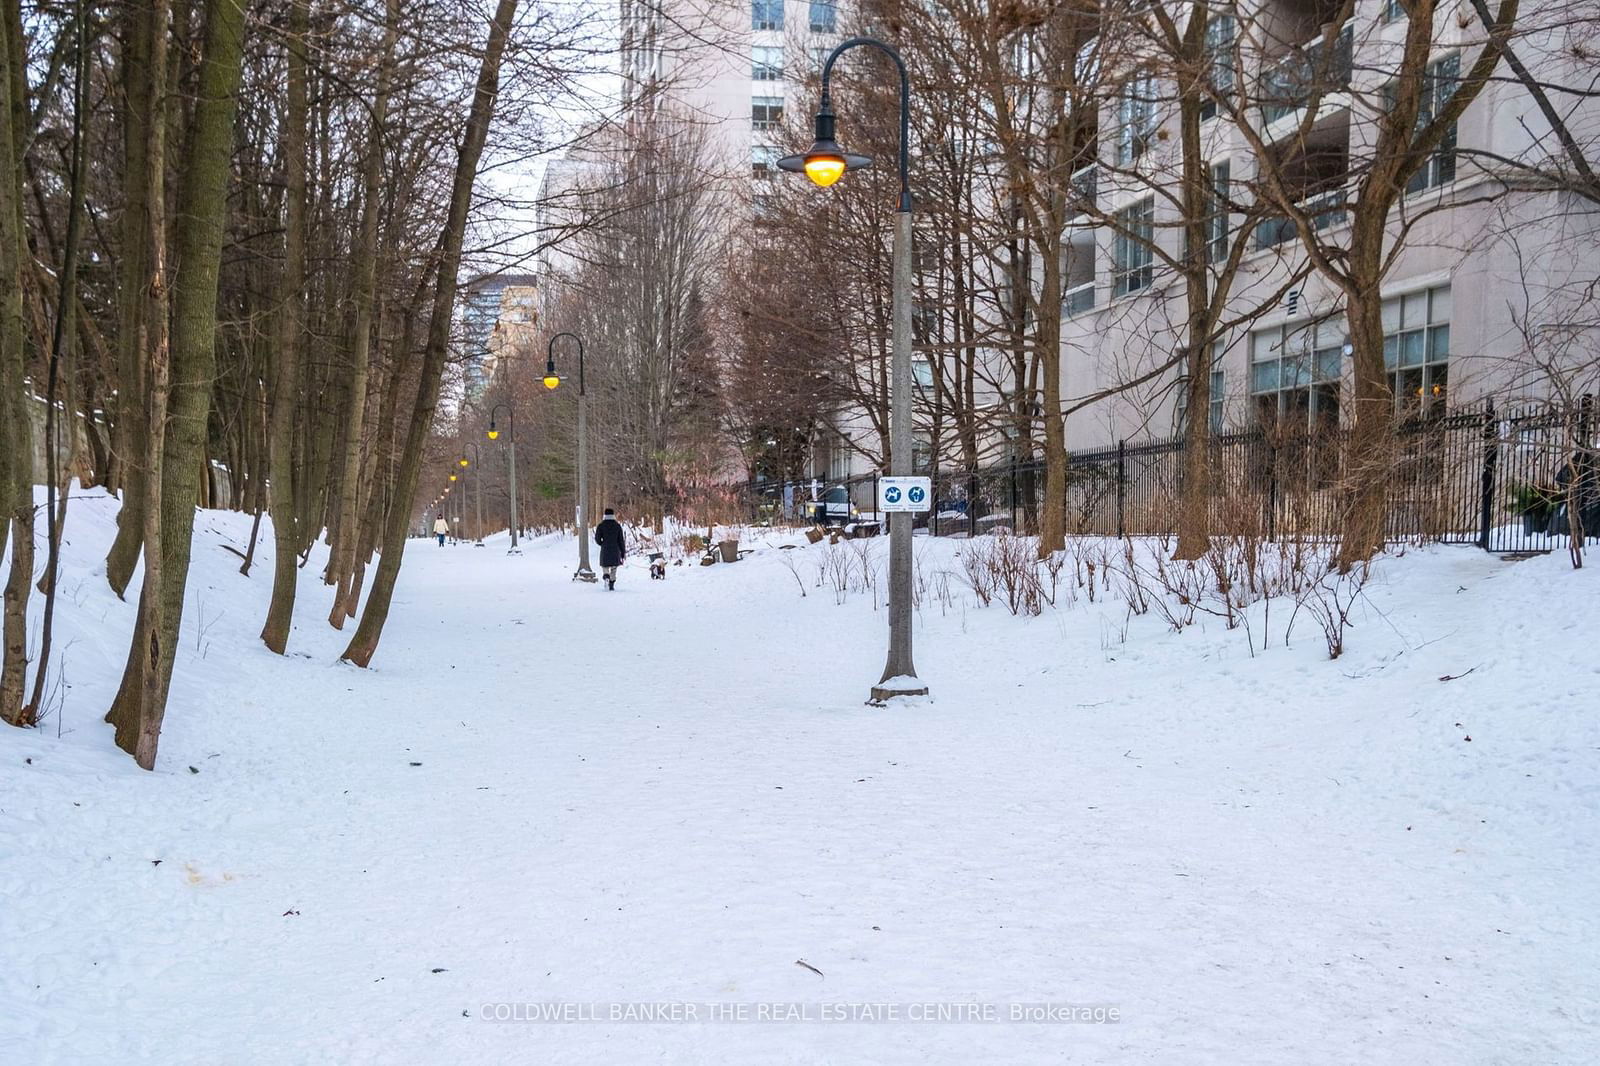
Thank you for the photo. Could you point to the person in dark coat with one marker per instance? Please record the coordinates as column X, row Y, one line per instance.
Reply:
column 613, row 546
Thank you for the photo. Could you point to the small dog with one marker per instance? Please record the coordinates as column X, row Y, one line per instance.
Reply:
column 658, row 567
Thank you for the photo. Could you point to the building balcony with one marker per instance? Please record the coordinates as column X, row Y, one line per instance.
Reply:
column 1078, row 299
column 1291, row 82
column 1326, row 210
column 1083, row 183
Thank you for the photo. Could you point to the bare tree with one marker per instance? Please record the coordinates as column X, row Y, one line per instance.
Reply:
column 364, row 643
column 1409, row 107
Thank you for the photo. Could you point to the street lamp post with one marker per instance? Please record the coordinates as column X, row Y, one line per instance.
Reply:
column 824, row 164
column 454, row 509
column 511, row 442
column 477, row 482
column 551, row 380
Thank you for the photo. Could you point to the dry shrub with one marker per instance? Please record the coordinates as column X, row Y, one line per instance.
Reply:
column 865, row 571
column 1007, row 568
column 1329, row 601
column 833, row 570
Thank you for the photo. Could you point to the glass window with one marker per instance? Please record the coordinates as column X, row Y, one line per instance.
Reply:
column 1439, row 84
column 1217, row 221
column 1078, row 271
column 1132, row 255
column 1220, row 31
column 766, row 63
column 766, row 14
column 1438, row 344
column 1414, row 309
column 1328, row 363
column 1306, row 73
column 1416, row 350
column 766, row 113
column 1295, row 371
column 1391, row 315
column 1264, row 376
column 763, row 160
column 1392, row 11
column 824, row 15
column 1136, row 117
column 1078, row 276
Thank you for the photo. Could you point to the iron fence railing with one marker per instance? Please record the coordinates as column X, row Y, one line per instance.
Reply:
column 1507, row 481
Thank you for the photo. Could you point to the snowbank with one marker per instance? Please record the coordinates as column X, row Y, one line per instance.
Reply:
column 549, row 800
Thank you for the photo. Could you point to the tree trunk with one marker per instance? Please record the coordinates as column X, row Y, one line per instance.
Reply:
column 365, row 254
column 61, row 360
column 1194, row 490
column 364, row 643
column 144, row 78
column 141, row 700
column 1368, row 459
column 1053, row 521
column 16, row 437
column 286, row 509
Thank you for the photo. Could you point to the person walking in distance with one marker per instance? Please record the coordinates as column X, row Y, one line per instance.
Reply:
column 613, row 546
column 441, row 529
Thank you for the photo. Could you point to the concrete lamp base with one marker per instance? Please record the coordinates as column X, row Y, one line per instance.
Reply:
column 585, row 575
column 891, row 687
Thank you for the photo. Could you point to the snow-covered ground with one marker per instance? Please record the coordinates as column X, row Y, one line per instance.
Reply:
column 545, row 793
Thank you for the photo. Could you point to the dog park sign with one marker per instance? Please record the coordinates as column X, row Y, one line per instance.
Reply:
column 905, row 494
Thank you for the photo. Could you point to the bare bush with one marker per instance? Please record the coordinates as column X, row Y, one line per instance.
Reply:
column 865, row 569
column 793, row 566
column 1329, row 600
column 1008, row 568
column 833, row 570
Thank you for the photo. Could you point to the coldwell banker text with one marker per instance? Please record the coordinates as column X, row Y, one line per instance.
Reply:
column 672, row 1012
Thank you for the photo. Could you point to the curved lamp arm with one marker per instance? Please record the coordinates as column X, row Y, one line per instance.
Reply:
column 550, row 363
column 826, row 108
column 511, row 412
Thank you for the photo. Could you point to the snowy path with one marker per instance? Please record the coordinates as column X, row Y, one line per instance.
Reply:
column 673, row 792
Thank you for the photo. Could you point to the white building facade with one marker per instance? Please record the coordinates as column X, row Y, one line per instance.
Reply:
column 1488, row 272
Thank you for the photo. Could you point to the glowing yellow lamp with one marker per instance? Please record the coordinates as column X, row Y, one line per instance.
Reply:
column 825, row 162
column 824, row 168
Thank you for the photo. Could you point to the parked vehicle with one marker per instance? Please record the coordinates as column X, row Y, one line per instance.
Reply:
column 834, row 508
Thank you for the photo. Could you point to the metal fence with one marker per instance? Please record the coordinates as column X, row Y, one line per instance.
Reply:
column 1507, row 481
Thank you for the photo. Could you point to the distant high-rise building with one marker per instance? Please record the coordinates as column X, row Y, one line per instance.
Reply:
column 498, row 312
